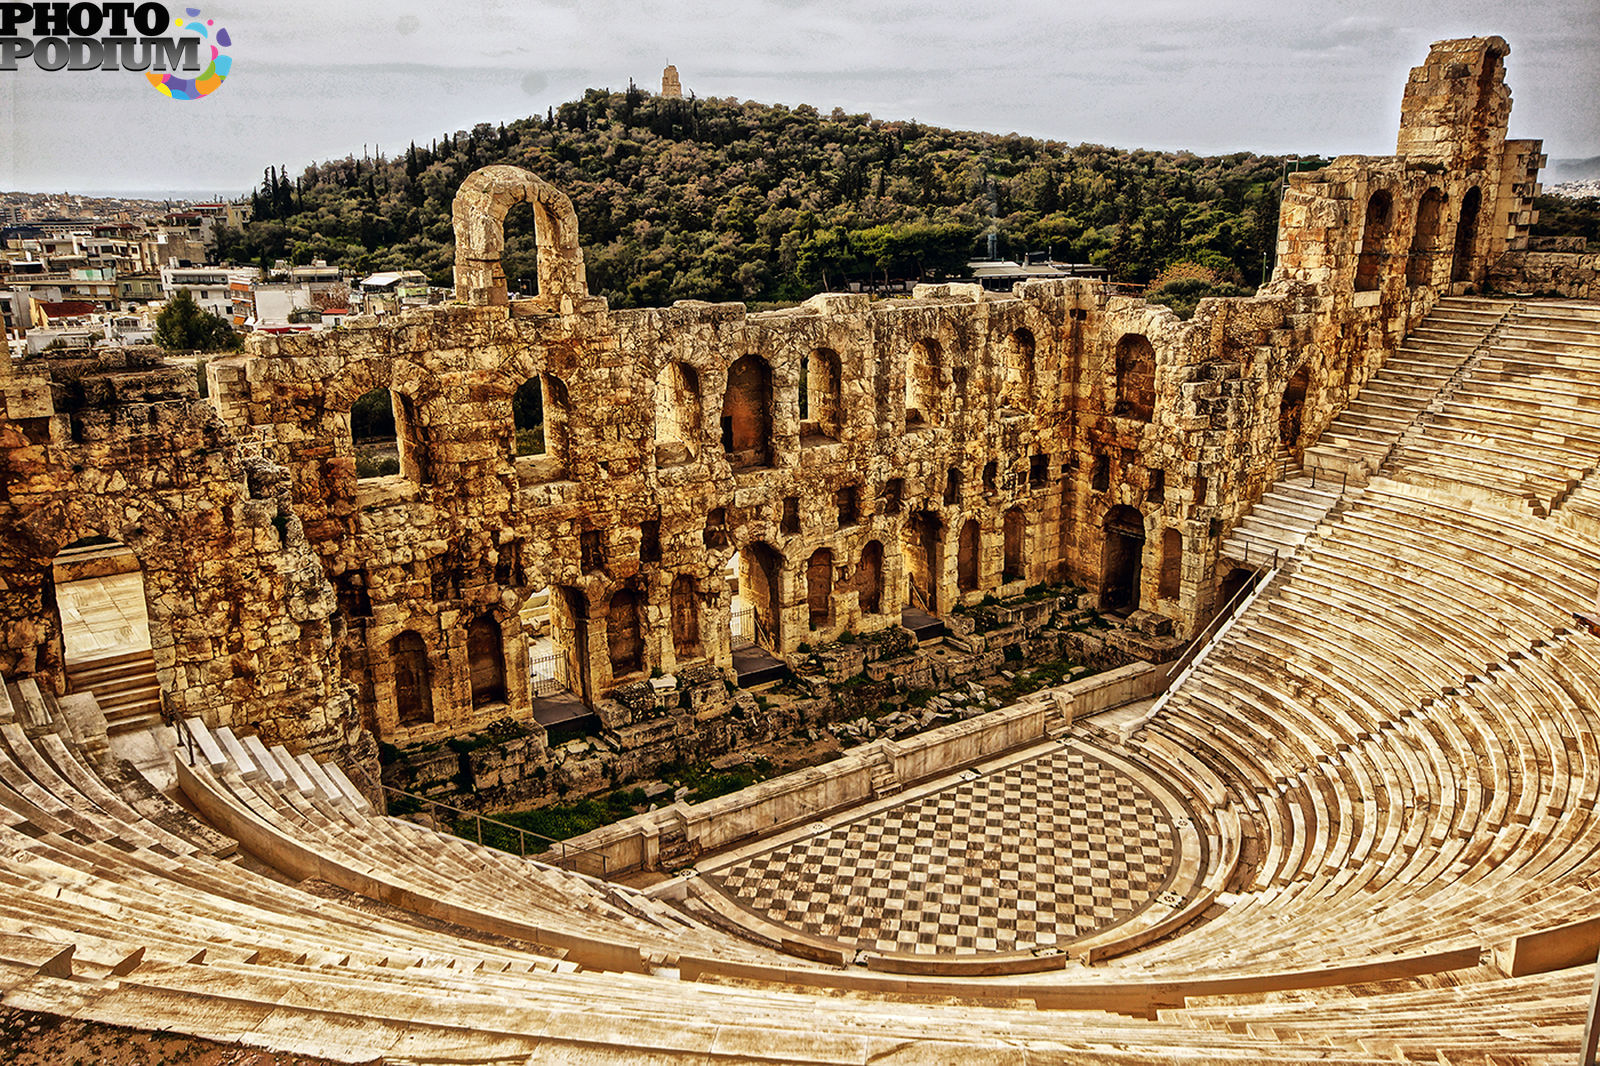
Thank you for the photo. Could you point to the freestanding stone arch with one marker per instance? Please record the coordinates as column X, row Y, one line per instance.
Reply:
column 479, row 214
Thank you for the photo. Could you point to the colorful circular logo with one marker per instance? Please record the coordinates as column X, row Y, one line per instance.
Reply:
column 207, row 81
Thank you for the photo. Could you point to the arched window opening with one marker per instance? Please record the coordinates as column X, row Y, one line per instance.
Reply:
column 821, row 409
column 686, row 618
column 819, row 588
column 1171, row 564
column 1463, row 262
column 486, row 661
column 952, row 486
column 1014, row 566
column 678, row 414
column 1122, row 559
column 1426, row 241
column 869, row 578
column 967, row 556
column 373, row 435
column 1017, row 393
column 747, row 414
column 624, row 635
column 413, row 685
column 520, row 259
column 1135, row 377
column 924, row 384
column 1374, row 241
column 527, row 417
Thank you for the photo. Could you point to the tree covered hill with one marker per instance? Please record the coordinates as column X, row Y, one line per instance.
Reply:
column 722, row 200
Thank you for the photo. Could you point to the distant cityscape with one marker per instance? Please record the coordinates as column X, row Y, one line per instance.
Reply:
column 80, row 271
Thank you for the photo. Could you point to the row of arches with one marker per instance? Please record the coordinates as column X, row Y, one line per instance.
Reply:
column 1427, row 238
column 1122, row 561
column 387, row 436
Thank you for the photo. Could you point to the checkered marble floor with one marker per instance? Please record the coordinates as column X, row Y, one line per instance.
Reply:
column 1029, row 856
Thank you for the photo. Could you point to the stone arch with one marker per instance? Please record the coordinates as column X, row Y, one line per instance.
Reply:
column 1374, row 241
column 819, row 588
column 1463, row 262
column 478, row 214
column 686, row 618
column 1014, row 566
column 1426, row 238
column 924, row 382
column 679, row 417
column 486, row 660
column 747, row 414
column 1122, row 559
column 1171, row 564
column 386, row 436
column 823, row 411
column 967, row 556
column 1291, row 408
column 869, row 578
column 1017, row 391
column 624, row 633
column 413, row 679
column 1135, row 369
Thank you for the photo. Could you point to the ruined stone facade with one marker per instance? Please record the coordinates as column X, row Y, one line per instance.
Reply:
column 859, row 455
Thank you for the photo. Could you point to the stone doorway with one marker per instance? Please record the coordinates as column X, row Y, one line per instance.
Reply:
column 1291, row 409
column 105, row 630
column 921, row 544
column 1123, row 560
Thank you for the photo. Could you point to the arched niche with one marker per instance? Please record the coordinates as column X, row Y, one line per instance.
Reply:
column 1427, row 239
column 1374, row 241
column 1135, row 370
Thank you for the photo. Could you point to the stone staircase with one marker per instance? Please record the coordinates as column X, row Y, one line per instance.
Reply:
column 124, row 686
column 1419, row 378
column 1281, row 521
column 1416, row 378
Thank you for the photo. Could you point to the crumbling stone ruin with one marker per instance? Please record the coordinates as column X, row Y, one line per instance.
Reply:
column 854, row 455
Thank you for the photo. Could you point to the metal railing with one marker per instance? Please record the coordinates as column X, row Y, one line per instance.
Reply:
column 1226, row 612
column 552, row 851
column 742, row 623
column 919, row 598
column 1344, row 479
column 549, row 674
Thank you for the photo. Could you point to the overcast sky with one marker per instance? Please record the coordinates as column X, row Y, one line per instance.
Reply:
column 317, row 80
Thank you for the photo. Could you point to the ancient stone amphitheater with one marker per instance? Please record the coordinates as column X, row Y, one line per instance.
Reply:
column 1358, row 824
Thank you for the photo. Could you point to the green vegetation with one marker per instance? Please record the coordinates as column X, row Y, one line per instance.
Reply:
column 184, row 326
column 717, row 199
column 558, row 822
column 1566, row 216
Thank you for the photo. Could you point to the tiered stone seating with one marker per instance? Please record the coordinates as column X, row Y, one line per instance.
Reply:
column 1522, row 422
column 1432, row 357
column 1409, row 720
column 112, row 918
column 1392, row 753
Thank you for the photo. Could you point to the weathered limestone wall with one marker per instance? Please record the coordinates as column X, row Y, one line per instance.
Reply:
column 239, row 609
column 859, row 455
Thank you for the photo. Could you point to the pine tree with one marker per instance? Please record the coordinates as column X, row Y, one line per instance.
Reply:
column 184, row 326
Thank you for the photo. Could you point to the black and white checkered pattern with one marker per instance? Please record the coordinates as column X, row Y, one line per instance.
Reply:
column 1031, row 856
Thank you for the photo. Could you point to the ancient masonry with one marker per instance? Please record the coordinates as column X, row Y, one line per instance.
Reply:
column 944, row 448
